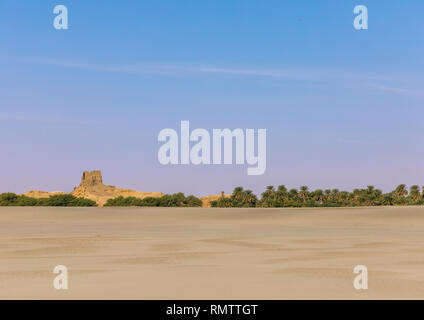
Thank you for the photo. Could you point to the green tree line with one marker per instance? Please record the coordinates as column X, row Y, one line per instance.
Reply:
column 283, row 197
column 271, row 198
column 60, row 200
column 67, row 200
column 167, row 200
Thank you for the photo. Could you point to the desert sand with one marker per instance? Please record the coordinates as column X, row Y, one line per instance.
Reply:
column 180, row 253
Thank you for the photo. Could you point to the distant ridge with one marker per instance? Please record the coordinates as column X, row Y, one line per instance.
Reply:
column 93, row 188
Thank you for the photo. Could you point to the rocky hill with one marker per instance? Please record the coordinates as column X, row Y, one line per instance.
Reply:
column 92, row 187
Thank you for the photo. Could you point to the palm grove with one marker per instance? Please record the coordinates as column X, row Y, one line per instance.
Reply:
column 282, row 197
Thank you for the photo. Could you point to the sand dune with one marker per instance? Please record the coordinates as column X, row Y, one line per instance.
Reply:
column 180, row 253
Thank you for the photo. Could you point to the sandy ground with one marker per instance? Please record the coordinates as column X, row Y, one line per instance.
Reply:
column 161, row 253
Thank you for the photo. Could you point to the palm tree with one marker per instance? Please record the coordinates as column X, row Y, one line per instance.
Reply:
column 268, row 196
column 414, row 194
column 237, row 193
column 399, row 194
column 249, row 199
column 335, row 195
column 327, row 194
column 281, row 196
column 401, row 191
column 293, row 193
column 304, row 193
column 282, row 188
column 344, row 197
column 319, row 196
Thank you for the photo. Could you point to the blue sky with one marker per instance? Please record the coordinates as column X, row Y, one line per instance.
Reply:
column 343, row 108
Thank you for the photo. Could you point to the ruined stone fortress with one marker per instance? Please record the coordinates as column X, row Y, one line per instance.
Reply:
column 92, row 188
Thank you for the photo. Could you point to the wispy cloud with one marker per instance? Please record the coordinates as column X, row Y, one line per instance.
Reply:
column 275, row 73
column 183, row 70
column 411, row 92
